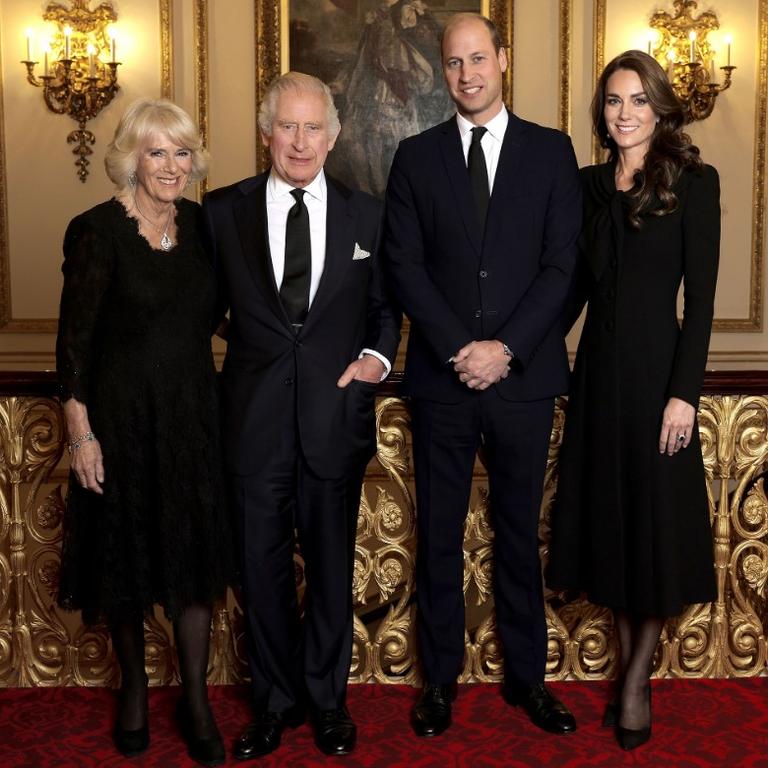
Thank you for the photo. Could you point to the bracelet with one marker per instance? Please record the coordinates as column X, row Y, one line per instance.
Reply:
column 75, row 444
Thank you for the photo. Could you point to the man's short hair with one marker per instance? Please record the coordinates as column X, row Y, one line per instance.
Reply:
column 297, row 82
column 459, row 17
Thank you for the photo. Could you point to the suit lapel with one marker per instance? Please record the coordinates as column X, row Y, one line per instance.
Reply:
column 339, row 245
column 506, row 178
column 456, row 167
column 251, row 219
column 506, row 182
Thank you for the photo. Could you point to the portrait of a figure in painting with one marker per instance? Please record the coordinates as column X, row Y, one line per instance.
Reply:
column 381, row 59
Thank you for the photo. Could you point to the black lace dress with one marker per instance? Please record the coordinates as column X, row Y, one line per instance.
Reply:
column 134, row 346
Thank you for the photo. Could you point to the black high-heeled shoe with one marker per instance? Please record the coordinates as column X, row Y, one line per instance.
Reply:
column 208, row 752
column 632, row 738
column 130, row 743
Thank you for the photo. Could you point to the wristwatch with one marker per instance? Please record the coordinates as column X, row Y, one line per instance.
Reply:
column 507, row 350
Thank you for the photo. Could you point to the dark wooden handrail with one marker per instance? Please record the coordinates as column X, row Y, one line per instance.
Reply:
column 43, row 383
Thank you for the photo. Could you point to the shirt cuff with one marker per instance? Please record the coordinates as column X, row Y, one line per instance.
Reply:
column 379, row 357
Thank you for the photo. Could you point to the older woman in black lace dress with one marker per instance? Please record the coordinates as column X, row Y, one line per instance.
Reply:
column 145, row 521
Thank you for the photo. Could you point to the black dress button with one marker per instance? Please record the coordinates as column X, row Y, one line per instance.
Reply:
column 609, row 326
column 609, row 294
column 483, row 273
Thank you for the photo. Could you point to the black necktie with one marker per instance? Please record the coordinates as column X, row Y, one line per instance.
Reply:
column 294, row 291
column 478, row 174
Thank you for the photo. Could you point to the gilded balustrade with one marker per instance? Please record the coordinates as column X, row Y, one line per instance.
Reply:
column 43, row 645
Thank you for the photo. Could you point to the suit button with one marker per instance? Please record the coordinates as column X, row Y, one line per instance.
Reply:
column 609, row 326
column 478, row 313
column 288, row 382
column 483, row 273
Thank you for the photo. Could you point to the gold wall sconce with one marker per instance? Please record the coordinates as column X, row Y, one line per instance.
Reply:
column 79, row 68
column 681, row 45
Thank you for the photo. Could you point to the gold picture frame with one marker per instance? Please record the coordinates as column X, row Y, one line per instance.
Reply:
column 272, row 24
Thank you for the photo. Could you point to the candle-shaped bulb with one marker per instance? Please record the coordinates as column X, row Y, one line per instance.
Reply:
column 29, row 44
column 728, row 41
column 692, row 39
column 651, row 40
column 67, row 39
column 112, row 42
column 91, row 61
column 46, row 51
column 671, row 56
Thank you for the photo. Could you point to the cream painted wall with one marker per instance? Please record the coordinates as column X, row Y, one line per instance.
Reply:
column 43, row 192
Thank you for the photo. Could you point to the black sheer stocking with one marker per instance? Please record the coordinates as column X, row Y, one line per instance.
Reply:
column 127, row 632
column 623, row 627
column 643, row 633
column 192, row 630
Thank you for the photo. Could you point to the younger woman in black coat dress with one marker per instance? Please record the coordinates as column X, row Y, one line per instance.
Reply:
column 631, row 522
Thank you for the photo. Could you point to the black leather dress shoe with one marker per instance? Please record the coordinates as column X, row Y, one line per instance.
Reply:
column 131, row 743
column 543, row 709
column 335, row 732
column 431, row 714
column 263, row 735
column 207, row 751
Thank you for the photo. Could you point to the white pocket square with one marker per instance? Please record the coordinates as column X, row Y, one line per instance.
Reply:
column 360, row 253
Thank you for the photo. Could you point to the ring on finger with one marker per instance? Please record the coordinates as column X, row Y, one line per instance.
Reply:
column 681, row 437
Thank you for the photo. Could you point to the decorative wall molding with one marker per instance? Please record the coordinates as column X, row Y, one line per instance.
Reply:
column 201, row 77
column 166, row 49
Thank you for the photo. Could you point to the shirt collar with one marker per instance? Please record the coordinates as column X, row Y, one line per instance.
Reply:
column 496, row 125
column 277, row 187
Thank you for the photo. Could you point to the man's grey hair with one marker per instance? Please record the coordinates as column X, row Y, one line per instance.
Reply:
column 297, row 82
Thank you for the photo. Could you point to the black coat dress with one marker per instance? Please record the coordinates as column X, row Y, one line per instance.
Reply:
column 630, row 526
column 134, row 345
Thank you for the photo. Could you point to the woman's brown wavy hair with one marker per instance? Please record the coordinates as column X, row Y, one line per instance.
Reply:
column 670, row 150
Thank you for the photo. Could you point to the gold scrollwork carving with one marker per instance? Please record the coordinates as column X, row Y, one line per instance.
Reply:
column 41, row 645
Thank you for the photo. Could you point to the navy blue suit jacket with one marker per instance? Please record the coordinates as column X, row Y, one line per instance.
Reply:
column 457, row 283
column 267, row 366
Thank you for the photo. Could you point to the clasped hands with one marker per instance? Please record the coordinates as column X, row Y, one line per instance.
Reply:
column 481, row 363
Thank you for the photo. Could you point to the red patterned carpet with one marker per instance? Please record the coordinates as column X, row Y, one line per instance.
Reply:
column 697, row 723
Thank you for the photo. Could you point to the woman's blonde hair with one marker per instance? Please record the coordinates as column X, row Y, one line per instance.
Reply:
column 145, row 118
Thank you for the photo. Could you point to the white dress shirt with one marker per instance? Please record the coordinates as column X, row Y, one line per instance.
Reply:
column 491, row 141
column 279, row 202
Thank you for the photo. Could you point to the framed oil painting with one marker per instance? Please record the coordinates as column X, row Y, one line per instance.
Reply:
column 381, row 59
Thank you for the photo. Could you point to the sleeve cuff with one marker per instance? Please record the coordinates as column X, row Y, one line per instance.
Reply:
column 383, row 360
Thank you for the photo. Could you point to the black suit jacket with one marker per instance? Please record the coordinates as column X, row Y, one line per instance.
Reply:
column 457, row 283
column 267, row 365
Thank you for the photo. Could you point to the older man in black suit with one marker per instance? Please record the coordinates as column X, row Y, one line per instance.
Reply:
column 483, row 213
column 310, row 336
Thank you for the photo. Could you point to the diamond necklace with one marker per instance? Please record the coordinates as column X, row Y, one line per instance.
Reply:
column 165, row 242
